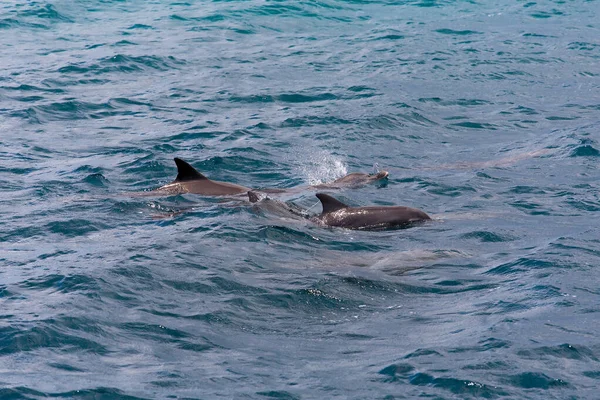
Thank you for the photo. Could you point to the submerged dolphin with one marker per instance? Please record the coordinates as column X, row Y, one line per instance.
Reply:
column 189, row 180
column 336, row 213
column 263, row 203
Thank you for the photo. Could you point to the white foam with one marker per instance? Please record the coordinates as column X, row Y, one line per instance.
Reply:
column 322, row 167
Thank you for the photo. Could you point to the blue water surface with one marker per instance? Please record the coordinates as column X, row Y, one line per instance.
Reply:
column 486, row 115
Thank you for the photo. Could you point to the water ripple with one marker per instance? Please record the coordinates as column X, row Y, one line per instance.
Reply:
column 484, row 114
column 124, row 63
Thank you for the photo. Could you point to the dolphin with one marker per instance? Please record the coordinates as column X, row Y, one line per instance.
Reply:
column 189, row 180
column 335, row 213
column 353, row 180
column 265, row 204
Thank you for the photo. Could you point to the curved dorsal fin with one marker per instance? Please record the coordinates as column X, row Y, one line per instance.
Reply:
column 253, row 197
column 329, row 203
column 185, row 172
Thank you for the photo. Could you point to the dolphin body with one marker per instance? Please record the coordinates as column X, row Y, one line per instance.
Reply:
column 189, row 180
column 335, row 213
column 266, row 205
column 355, row 179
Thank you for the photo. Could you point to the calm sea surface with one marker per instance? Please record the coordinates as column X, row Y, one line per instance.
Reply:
column 486, row 114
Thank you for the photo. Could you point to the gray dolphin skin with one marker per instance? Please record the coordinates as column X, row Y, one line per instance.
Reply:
column 335, row 213
column 189, row 180
column 266, row 204
column 352, row 180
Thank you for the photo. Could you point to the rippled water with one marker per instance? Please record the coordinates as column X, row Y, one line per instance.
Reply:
column 485, row 114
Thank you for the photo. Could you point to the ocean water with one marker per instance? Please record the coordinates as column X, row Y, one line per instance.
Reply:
column 486, row 115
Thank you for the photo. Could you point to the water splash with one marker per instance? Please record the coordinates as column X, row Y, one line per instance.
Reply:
column 376, row 168
column 322, row 167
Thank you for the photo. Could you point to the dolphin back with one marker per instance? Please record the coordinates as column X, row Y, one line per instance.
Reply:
column 336, row 213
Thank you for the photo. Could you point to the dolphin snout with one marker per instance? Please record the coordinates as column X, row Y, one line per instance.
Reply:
column 381, row 175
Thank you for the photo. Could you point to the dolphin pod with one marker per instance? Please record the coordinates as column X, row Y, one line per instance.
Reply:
column 334, row 214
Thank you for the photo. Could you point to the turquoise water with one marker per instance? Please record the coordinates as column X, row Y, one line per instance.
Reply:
column 486, row 115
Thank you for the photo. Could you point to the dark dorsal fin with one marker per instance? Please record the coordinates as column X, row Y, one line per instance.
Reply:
column 253, row 197
column 185, row 172
column 329, row 203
